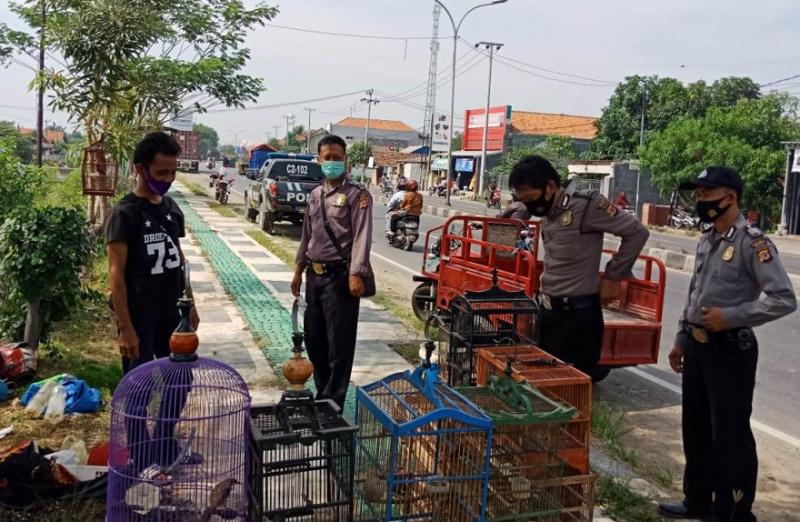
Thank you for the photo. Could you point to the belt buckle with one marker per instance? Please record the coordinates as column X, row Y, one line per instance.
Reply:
column 699, row 334
column 318, row 268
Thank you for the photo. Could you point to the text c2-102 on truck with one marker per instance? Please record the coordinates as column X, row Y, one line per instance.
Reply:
column 281, row 189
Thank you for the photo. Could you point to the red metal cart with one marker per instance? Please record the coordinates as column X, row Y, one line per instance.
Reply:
column 463, row 253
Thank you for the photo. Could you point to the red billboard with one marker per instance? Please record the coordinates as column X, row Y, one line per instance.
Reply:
column 499, row 118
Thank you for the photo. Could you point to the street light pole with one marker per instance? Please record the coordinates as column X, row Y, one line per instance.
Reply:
column 641, row 144
column 289, row 119
column 308, row 130
column 491, row 46
column 456, row 28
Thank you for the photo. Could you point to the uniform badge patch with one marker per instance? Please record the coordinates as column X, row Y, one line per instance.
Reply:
column 341, row 199
column 759, row 243
column 363, row 201
column 566, row 218
column 763, row 254
column 728, row 254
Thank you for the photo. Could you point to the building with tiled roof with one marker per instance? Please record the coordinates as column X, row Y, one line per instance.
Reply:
column 548, row 124
column 389, row 133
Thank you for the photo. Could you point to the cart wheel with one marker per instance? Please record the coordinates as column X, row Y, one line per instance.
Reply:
column 599, row 373
column 422, row 308
column 408, row 245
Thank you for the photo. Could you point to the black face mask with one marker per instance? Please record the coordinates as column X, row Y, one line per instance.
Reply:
column 710, row 211
column 540, row 206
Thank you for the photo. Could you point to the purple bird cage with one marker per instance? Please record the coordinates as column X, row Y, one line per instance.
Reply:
column 179, row 438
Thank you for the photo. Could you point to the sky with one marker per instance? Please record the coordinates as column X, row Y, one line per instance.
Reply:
column 589, row 44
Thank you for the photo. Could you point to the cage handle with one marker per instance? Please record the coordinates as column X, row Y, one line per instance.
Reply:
column 510, row 393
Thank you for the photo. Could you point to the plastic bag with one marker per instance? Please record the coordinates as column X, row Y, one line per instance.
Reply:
column 38, row 403
column 77, row 445
column 63, row 457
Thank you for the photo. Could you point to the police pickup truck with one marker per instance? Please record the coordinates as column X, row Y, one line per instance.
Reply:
column 280, row 191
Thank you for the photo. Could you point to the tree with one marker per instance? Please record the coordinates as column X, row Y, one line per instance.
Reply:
column 619, row 126
column 358, row 153
column 227, row 150
column 22, row 146
column 209, row 140
column 18, row 183
column 145, row 60
column 458, row 139
column 556, row 149
column 746, row 137
column 42, row 252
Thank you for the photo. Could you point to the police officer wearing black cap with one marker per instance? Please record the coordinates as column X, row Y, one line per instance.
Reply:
column 716, row 351
column 573, row 226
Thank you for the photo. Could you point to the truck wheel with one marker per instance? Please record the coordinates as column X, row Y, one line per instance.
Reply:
column 419, row 304
column 599, row 373
column 266, row 221
column 250, row 213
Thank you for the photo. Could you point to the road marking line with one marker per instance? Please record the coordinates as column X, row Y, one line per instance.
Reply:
column 760, row 426
column 395, row 263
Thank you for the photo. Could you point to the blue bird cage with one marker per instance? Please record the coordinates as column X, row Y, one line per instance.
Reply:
column 423, row 451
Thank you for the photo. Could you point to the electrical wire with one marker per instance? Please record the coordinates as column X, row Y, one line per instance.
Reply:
column 780, row 81
column 353, row 35
column 286, row 104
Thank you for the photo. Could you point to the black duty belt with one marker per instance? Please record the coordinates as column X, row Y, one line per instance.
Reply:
column 326, row 268
column 741, row 336
column 569, row 303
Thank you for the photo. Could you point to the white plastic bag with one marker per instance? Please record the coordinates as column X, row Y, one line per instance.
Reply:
column 63, row 457
column 71, row 442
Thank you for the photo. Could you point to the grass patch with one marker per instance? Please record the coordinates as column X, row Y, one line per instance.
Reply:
column 283, row 252
column 84, row 346
column 195, row 188
column 400, row 309
column 408, row 351
column 663, row 478
column 609, row 425
column 222, row 210
column 623, row 504
column 67, row 510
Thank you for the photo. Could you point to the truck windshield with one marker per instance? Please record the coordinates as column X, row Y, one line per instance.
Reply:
column 304, row 170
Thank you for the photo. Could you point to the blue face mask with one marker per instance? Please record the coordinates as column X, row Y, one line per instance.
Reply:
column 333, row 169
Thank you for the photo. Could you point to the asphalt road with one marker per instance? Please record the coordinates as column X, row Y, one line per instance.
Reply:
column 777, row 393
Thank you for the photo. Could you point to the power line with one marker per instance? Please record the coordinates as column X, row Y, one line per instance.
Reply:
column 287, row 104
column 780, row 81
column 348, row 35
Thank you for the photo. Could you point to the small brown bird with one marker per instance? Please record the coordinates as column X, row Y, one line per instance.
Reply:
column 219, row 495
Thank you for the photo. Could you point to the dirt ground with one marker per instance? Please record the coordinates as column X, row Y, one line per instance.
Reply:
column 655, row 435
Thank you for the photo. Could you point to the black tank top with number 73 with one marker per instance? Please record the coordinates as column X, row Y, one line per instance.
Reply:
column 154, row 275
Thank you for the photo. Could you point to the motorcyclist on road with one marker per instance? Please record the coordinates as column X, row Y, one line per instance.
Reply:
column 394, row 203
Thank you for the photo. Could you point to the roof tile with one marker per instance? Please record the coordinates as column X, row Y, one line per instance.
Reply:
column 546, row 124
column 388, row 125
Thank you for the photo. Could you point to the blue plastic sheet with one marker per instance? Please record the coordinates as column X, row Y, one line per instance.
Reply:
column 80, row 397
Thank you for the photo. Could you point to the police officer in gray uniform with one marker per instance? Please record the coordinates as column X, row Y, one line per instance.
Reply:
column 716, row 351
column 573, row 225
column 334, row 283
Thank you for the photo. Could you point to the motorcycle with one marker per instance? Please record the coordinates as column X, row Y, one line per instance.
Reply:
column 423, row 298
column 682, row 219
column 223, row 188
column 493, row 199
column 406, row 232
column 212, row 180
column 437, row 190
column 386, row 187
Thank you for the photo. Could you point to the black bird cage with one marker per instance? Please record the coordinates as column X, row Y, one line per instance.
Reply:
column 493, row 317
column 302, row 451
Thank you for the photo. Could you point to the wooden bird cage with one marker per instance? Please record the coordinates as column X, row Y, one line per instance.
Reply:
column 100, row 171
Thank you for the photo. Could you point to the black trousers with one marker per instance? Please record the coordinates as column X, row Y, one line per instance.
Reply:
column 158, row 446
column 718, row 382
column 331, row 321
column 575, row 336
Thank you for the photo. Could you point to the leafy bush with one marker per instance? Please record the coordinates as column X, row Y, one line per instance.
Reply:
column 42, row 254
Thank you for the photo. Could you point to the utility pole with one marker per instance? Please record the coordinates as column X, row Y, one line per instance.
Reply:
column 308, row 130
column 289, row 120
column 492, row 47
column 370, row 101
column 40, row 101
column 641, row 144
column 456, row 28
column 275, row 128
column 430, row 95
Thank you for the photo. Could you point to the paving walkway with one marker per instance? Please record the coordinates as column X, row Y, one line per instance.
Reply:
column 250, row 331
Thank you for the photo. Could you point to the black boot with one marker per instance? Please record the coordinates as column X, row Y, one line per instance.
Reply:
column 672, row 509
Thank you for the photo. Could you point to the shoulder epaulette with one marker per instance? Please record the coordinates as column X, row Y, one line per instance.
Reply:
column 754, row 232
column 357, row 184
column 585, row 194
column 706, row 227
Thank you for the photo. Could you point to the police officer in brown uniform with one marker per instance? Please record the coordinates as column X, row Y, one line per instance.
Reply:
column 335, row 280
column 716, row 351
column 570, row 292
